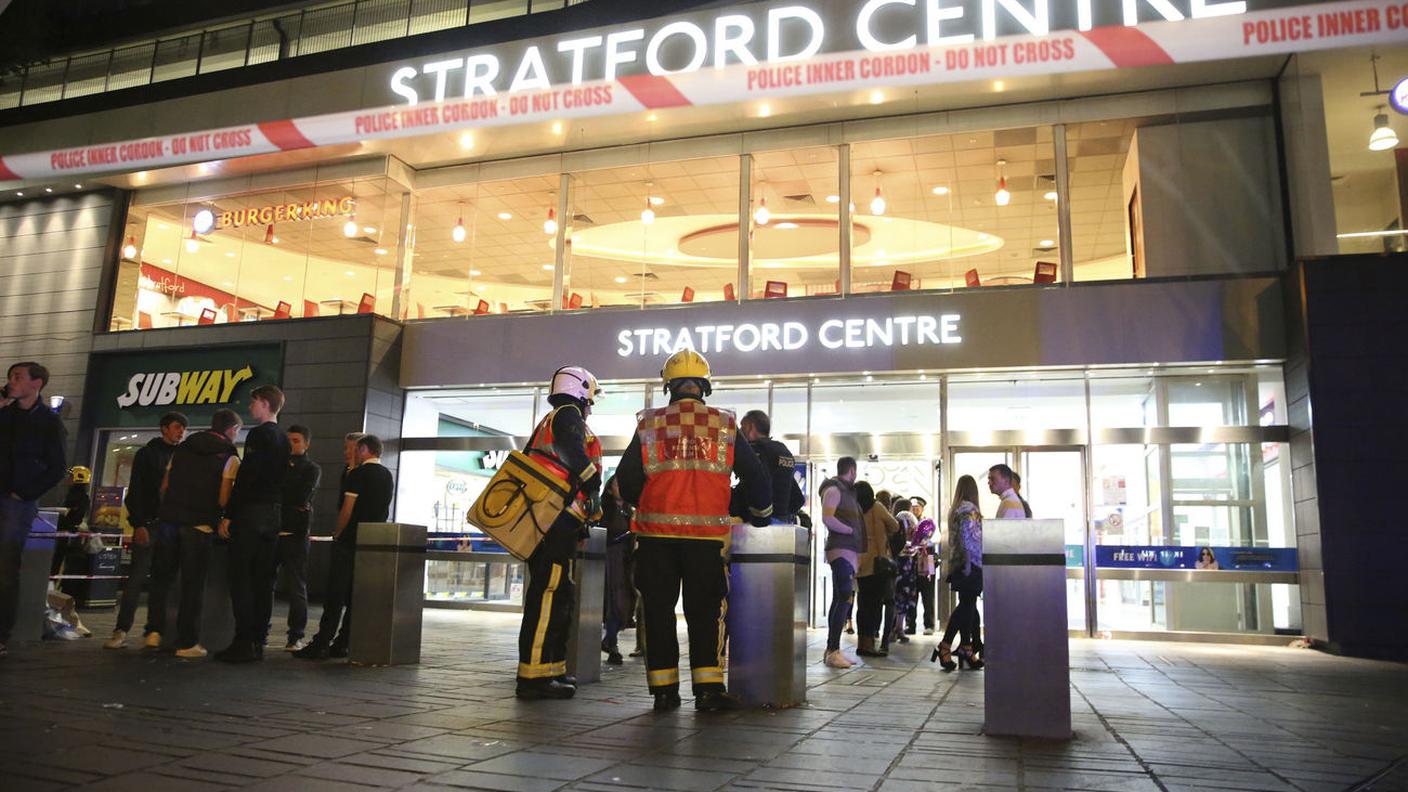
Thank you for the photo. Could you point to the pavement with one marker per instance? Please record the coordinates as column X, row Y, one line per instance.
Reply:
column 1148, row 716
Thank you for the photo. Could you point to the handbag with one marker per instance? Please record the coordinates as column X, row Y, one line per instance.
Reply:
column 519, row 504
column 885, row 566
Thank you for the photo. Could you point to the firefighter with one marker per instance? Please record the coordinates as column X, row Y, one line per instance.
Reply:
column 676, row 471
column 777, row 459
column 563, row 444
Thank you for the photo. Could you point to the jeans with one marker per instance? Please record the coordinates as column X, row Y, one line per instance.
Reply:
column 195, row 562
column 293, row 566
column 165, row 552
column 254, row 535
column 842, row 584
column 16, row 519
column 137, row 572
column 337, row 599
column 926, row 598
column 964, row 619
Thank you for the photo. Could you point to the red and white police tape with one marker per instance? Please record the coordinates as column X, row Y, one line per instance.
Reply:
column 1278, row 31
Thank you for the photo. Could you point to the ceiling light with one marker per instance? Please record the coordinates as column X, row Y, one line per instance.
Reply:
column 467, row 140
column 652, row 118
column 505, row 215
column 557, row 127
column 833, row 199
column 203, row 221
column 380, row 251
column 475, row 273
column 1047, row 243
column 877, row 204
column 229, row 255
column 764, row 110
column 761, row 215
column 620, row 279
column 877, row 96
column 166, row 261
column 19, row 193
column 1051, row 195
column 656, row 200
column 77, row 186
column 1002, row 197
column 647, row 216
column 787, row 226
column 274, row 241
column 349, row 228
column 549, row 267
column 368, row 230
column 48, row 189
column 229, row 283
column 458, row 233
column 129, row 251
column 940, row 190
column 550, row 224
column 999, row 86
column 288, row 277
column 1383, row 137
column 350, row 273
column 193, row 244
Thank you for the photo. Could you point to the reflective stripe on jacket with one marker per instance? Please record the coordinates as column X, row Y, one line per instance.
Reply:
column 687, row 455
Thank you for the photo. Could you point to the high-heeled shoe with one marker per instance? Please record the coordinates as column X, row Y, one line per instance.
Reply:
column 967, row 659
column 943, row 657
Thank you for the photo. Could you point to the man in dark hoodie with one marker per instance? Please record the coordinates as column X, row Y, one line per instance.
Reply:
column 251, row 524
column 32, row 440
column 300, row 482
column 143, row 498
column 195, row 488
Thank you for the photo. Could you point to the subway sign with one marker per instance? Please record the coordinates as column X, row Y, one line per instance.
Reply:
column 776, row 34
column 135, row 390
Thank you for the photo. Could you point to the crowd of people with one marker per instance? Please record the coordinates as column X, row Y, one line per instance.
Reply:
column 189, row 490
column 669, row 512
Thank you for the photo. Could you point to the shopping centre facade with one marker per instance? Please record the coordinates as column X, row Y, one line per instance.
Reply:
column 1110, row 244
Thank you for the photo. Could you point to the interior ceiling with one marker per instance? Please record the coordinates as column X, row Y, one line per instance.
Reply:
column 507, row 257
column 1349, row 117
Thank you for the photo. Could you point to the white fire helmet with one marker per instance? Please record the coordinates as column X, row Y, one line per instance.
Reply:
column 576, row 382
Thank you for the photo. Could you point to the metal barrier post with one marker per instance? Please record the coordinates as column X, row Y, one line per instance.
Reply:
column 34, row 576
column 1027, row 680
column 768, row 606
column 388, row 587
column 584, row 638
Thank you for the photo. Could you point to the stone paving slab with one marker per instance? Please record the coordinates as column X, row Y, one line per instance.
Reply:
column 1148, row 716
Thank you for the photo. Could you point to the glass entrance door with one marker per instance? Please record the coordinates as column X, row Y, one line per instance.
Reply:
column 1053, row 484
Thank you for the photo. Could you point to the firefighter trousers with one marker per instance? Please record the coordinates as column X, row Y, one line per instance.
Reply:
column 547, row 604
column 662, row 567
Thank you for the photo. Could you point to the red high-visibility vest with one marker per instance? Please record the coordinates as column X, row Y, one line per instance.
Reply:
column 541, row 446
column 687, row 451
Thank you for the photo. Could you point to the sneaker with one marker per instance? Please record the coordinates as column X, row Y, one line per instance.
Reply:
column 117, row 641
column 834, row 659
column 337, row 652
column 153, row 641
column 614, row 659
column 294, row 646
column 238, row 652
column 638, row 652
column 192, row 651
column 313, row 651
column 928, row 630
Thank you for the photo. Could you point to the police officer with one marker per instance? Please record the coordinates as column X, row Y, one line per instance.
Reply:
column 777, row 459
column 676, row 470
column 565, row 446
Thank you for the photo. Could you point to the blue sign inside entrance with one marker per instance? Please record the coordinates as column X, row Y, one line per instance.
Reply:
column 1262, row 559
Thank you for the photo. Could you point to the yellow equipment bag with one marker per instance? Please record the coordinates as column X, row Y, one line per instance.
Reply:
column 519, row 505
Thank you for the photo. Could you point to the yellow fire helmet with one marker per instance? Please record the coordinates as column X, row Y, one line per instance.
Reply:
column 80, row 474
column 687, row 364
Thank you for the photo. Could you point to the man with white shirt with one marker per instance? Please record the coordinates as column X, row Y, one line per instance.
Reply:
column 1000, row 484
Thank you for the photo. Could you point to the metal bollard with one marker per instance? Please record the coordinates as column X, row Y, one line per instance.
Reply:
column 768, row 604
column 33, row 592
column 388, row 590
column 584, row 637
column 1027, row 680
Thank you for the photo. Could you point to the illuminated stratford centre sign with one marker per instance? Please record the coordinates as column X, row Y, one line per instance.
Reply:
column 778, row 34
column 855, row 333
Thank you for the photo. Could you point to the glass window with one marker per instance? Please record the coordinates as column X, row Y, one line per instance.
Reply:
column 795, row 237
column 875, row 408
column 945, row 211
column 1364, row 169
column 1126, row 495
column 1123, row 402
column 659, row 233
column 326, row 249
column 1207, row 401
column 482, row 248
column 1022, row 402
